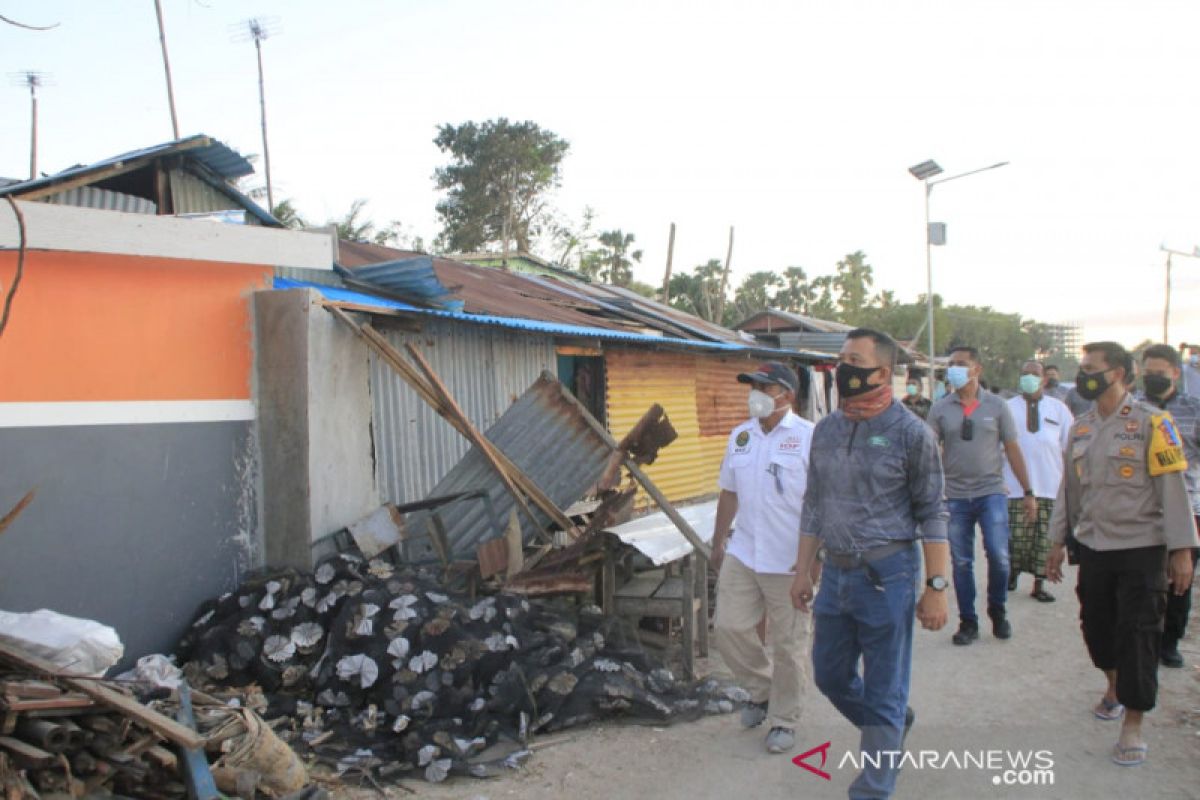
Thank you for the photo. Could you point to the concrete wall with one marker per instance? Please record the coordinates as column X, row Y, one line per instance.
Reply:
column 315, row 406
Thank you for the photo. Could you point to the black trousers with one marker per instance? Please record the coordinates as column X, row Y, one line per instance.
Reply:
column 1122, row 599
column 1178, row 608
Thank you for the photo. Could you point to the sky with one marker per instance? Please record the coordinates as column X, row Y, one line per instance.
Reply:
column 794, row 122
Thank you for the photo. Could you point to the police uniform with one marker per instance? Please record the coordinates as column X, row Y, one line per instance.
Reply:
column 1123, row 495
column 768, row 473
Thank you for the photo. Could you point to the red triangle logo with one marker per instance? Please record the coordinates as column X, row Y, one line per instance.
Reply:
column 800, row 761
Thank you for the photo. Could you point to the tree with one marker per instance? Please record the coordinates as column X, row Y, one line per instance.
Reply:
column 797, row 294
column 696, row 292
column 353, row 228
column 495, row 183
column 286, row 212
column 755, row 293
column 823, row 306
column 853, row 281
column 569, row 241
column 615, row 258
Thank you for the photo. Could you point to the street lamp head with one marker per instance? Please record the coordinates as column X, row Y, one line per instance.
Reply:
column 925, row 170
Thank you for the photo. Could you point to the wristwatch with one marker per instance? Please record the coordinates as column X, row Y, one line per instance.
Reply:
column 1029, row 493
column 938, row 583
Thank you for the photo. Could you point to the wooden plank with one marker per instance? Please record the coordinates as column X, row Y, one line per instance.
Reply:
column 164, row 726
column 687, row 586
column 29, row 689
column 670, row 589
column 66, row 701
column 26, row 753
column 17, row 509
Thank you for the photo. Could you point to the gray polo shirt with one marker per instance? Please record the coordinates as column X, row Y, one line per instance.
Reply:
column 973, row 468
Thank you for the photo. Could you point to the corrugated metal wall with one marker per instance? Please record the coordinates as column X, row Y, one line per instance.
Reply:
column 91, row 197
column 485, row 369
column 190, row 195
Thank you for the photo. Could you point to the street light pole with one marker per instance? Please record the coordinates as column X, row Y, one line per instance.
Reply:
column 1167, row 301
column 924, row 172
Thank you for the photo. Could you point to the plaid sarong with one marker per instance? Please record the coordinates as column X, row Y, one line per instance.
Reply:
column 1029, row 544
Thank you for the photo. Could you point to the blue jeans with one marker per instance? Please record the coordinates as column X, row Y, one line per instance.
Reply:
column 853, row 618
column 991, row 513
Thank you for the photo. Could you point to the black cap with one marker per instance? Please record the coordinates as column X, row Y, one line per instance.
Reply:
column 773, row 372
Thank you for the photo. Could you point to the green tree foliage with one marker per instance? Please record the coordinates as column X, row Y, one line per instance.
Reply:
column 615, row 258
column 496, row 182
column 797, row 294
column 853, row 281
column 286, row 212
column 354, row 226
column 823, row 305
column 696, row 292
column 757, row 292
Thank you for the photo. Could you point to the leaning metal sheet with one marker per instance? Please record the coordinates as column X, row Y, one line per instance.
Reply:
column 545, row 436
column 656, row 537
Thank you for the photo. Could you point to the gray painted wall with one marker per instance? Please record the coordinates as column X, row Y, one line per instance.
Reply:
column 132, row 525
column 314, row 403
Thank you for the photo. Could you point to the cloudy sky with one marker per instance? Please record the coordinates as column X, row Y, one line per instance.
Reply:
column 795, row 122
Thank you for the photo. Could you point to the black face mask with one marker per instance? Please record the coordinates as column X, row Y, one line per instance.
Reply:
column 1051, row 383
column 1091, row 385
column 852, row 380
column 1157, row 385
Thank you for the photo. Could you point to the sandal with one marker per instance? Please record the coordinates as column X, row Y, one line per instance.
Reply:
column 1129, row 756
column 1042, row 596
column 1108, row 711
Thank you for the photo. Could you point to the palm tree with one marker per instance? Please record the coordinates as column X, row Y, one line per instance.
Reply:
column 616, row 258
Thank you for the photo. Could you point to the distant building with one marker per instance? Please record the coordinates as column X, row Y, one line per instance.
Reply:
column 1067, row 340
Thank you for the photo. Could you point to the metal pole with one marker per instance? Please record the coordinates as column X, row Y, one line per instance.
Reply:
column 929, row 290
column 33, row 131
column 670, row 256
column 162, row 37
column 262, row 102
column 1167, row 304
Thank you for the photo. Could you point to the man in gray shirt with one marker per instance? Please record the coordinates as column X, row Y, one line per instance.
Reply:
column 973, row 427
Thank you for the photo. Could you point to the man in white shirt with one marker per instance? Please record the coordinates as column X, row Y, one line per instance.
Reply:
column 1043, row 430
column 763, row 479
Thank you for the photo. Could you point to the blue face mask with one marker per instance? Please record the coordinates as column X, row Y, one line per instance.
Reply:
column 1030, row 384
column 958, row 377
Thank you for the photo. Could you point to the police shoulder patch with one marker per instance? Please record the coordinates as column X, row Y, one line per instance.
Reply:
column 1166, row 446
column 742, row 439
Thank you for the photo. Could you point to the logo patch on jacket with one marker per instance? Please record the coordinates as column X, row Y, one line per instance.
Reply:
column 879, row 441
column 1166, row 448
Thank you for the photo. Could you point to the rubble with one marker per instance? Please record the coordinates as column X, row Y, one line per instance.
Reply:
column 382, row 668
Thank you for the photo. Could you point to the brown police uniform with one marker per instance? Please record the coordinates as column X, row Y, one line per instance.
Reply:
column 1124, row 497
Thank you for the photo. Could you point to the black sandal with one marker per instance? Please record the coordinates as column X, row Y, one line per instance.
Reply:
column 1042, row 596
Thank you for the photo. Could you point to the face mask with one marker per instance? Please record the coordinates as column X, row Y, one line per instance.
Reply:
column 1030, row 384
column 1157, row 385
column 958, row 377
column 761, row 404
column 852, row 380
column 1091, row 385
column 911, row 389
column 1051, row 383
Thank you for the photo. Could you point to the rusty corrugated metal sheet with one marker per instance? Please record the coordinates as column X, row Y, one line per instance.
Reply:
column 486, row 371
column 720, row 399
column 636, row 380
column 544, row 435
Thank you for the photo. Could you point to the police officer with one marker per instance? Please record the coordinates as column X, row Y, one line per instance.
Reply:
column 1160, row 377
column 762, row 481
column 1123, row 494
column 874, row 492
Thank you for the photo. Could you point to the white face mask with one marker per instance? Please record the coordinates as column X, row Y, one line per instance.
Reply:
column 761, row 404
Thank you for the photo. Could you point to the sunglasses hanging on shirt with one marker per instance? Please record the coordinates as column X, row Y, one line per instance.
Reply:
column 1033, row 420
column 968, row 429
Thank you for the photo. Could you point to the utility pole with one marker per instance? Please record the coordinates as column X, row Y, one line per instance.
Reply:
column 724, row 280
column 258, row 29
column 667, row 277
column 1167, row 296
column 162, row 38
column 34, row 80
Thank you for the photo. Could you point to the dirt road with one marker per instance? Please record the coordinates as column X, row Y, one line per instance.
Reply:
column 1031, row 693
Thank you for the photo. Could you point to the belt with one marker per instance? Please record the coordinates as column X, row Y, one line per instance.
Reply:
column 855, row 560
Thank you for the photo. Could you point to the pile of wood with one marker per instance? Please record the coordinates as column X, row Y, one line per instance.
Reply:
column 76, row 736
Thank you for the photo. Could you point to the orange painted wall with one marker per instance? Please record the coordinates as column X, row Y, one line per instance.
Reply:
column 92, row 327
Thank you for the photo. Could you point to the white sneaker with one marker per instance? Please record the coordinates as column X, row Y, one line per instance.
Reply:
column 780, row 740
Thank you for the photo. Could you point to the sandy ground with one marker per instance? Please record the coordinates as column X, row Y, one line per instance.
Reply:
column 1033, row 692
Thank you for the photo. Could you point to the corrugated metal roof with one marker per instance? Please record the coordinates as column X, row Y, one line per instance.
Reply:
column 221, row 159
column 543, row 435
column 532, row 325
column 758, row 322
column 92, row 197
column 411, row 277
column 656, row 536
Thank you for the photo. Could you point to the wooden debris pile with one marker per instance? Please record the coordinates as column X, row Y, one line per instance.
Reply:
column 77, row 736
column 366, row 663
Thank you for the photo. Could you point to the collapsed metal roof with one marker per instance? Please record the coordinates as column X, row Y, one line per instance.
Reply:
column 543, row 434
